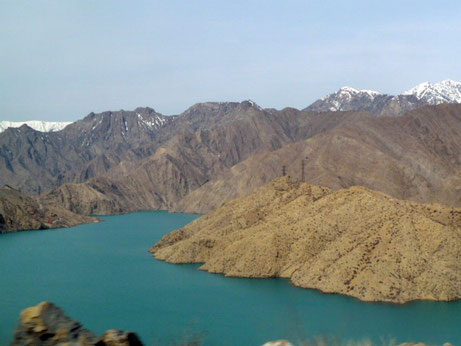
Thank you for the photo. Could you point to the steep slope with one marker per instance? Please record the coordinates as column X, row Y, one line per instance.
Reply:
column 416, row 156
column 20, row 212
column 35, row 162
column 350, row 99
column 356, row 242
column 42, row 126
column 188, row 160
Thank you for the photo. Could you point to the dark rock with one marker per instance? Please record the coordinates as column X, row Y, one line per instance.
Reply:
column 114, row 337
column 47, row 325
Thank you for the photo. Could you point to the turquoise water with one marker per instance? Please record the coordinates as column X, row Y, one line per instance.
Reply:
column 103, row 276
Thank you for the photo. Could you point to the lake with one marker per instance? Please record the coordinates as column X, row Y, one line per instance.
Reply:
column 102, row 275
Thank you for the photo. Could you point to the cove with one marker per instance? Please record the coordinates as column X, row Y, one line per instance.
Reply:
column 102, row 275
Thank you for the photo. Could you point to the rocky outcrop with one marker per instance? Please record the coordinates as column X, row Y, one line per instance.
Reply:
column 278, row 343
column 46, row 324
column 21, row 212
column 114, row 337
column 354, row 241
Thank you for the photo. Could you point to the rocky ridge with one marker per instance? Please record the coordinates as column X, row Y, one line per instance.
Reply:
column 355, row 241
column 35, row 161
column 42, row 126
column 21, row 212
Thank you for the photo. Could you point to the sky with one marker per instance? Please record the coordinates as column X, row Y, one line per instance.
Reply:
column 62, row 59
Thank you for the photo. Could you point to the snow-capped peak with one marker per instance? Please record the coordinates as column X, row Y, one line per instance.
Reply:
column 42, row 126
column 447, row 91
column 357, row 91
column 349, row 91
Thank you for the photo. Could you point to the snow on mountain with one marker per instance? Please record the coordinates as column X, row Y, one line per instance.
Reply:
column 447, row 91
column 344, row 99
column 350, row 99
column 352, row 91
column 42, row 126
column 152, row 122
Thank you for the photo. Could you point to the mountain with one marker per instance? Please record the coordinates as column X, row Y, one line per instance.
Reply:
column 354, row 241
column 416, row 156
column 230, row 134
column 123, row 161
column 447, row 91
column 350, row 99
column 34, row 161
column 19, row 212
column 42, row 126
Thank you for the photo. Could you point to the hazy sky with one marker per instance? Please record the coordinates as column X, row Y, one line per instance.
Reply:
column 60, row 60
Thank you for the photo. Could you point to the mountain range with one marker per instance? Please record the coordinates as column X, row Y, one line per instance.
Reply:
column 350, row 99
column 114, row 162
column 42, row 126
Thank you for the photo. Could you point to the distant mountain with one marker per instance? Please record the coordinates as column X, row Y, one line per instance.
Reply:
column 350, row 99
column 416, row 156
column 34, row 161
column 135, row 160
column 229, row 134
column 42, row 126
column 447, row 91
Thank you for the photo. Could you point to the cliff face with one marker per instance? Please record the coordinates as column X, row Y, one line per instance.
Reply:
column 354, row 241
column 20, row 212
column 46, row 324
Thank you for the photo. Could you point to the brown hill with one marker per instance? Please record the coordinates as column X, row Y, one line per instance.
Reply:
column 353, row 241
column 20, row 212
column 416, row 156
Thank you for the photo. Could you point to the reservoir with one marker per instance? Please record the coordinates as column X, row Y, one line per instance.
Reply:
column 102, row 275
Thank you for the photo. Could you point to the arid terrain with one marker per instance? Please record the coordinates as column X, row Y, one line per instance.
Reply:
column 21, row 212
column 353, row 241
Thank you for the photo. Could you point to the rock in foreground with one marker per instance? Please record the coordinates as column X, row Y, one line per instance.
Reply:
column 355, row 241
column 21, row 212
column 46, row 324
